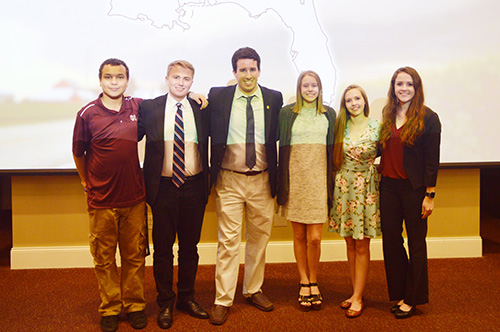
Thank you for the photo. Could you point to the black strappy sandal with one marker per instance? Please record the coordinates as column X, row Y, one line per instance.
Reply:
column 304, row 300
column 316, row 299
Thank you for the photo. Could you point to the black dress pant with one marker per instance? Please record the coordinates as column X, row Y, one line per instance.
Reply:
column 177, row 211
column 406, row 278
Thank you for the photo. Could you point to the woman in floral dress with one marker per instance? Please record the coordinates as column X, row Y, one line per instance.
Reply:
column 355, row 214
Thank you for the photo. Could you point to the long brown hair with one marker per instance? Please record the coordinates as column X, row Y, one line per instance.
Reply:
column 415, row 115
column 341, row 123
column 300, row 101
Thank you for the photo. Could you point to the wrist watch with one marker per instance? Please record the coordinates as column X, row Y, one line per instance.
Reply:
column 431, row 194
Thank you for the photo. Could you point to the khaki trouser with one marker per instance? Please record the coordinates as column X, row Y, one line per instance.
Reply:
column 125, row 227
column 239, row 196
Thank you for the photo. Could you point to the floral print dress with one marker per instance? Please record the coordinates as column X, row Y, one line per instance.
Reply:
column 356, row 196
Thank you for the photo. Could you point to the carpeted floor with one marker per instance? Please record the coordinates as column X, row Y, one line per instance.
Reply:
column 464, row 296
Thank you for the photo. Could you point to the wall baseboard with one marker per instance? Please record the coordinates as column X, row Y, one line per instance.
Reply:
column 277, row 252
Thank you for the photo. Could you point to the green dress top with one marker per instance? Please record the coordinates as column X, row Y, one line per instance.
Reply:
column 308, row 197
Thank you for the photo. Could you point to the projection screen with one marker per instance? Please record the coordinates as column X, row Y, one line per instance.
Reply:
column 51, row 51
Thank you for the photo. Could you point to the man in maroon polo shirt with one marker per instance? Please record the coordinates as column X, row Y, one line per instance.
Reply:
column 106, row 158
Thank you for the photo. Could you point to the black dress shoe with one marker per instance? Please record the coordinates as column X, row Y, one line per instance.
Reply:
column 400, row 314
column 109, row 323
column 165, row 318
column 138, row 319
column 193, row 309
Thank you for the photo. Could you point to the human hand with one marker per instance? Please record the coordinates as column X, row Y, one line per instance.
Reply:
column 427, row 207
column 200, row 99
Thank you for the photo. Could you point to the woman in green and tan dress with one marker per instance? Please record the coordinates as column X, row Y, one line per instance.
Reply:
column 305, row 178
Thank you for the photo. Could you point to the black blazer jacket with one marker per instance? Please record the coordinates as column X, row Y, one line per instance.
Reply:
column 220, row 103
column 151, row 123
column 421, row 161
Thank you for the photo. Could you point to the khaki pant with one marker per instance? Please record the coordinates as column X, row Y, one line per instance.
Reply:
column 239, row 196
column 125, row 227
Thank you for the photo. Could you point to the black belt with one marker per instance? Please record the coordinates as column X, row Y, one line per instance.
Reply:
column 249, row 173
column 188, row 178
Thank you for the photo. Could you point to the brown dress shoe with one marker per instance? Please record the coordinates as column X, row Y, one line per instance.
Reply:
column 260, row 301
column 219, row 314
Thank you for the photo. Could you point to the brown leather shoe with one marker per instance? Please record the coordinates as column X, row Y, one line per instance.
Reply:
column 260, row 301
column 219, row 314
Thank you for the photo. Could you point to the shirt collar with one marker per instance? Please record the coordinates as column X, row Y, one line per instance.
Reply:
column 125, row 103
column 172, row 103
column 238, row 94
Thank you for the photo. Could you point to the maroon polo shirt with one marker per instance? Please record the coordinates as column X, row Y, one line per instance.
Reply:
column 109, row 141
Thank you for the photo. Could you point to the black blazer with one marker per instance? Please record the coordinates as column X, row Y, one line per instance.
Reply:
column 151, row 123
column 220, row 103
column 421, row 161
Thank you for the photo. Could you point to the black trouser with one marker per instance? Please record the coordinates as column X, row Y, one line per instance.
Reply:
column 406, row 279
column 177, row 211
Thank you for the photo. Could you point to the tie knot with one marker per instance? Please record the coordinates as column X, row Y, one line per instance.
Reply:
column 249, row 98
column 178, row 105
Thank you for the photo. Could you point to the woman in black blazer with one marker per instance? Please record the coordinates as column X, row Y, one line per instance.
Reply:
column 409, row 140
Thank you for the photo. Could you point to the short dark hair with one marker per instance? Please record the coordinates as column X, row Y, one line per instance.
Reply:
column 245, row 53
column 113, row 62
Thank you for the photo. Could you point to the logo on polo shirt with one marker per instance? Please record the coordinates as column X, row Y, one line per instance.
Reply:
column 133, row 117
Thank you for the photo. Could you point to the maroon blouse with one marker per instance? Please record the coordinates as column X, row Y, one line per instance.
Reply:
column 391, row 163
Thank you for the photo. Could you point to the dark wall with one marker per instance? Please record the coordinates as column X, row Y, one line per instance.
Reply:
column 490, row 191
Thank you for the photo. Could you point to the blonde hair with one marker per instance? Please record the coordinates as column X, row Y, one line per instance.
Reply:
column 300, row 100
column 181, row 63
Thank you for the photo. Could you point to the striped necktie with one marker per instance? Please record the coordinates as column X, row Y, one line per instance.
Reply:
column 178, row 166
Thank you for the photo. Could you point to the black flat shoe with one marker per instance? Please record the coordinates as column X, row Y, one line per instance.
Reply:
column 400, row 314
column 395, row 308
